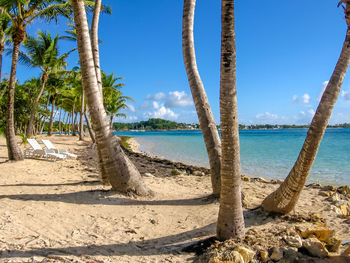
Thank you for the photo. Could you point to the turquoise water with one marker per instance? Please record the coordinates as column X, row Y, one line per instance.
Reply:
column 264, row 153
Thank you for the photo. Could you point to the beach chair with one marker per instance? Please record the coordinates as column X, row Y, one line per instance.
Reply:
column 36, row 151
column 48, row 144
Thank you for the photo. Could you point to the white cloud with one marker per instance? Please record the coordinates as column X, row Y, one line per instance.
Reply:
column 178, row 99
column 266, row 115
column 161, row 112
column 306, row 98
column 345, row 95
column 174, row 99
column 267, row 118
column 155, row 105
column 157, row 96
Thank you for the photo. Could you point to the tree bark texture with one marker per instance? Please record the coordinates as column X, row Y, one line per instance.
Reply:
column 91, row 132
column 94, row 42
column 284, row 199
column 2, row 47
column 230, row 221
column 81, row 121
column 122, row 173
column 49, row 132
column 205, row 115
column 14, row 152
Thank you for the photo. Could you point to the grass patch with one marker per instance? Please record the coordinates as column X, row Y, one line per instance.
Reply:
column 124, row 142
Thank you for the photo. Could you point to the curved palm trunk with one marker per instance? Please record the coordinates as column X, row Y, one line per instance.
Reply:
column 14, row 152
column 91, row 132
column 205, row 116
column 96, row 57
column 81, row 122
column 111, row 122
column 2, row 47
column 230, row 221
column 67, row 124
column 59, row 122
column 284, row 199
column 49, row 132
column 35, row 105
column 94, row 42
column 122, row 173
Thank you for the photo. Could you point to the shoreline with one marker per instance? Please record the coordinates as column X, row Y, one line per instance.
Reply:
column 134, row 149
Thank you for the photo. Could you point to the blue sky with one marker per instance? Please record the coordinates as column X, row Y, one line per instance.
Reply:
column 286, row 51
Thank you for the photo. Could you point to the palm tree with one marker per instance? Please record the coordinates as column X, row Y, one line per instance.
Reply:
column 21, row 14
column 5, row 31
column 284, row 199
column 230, row 221
column 42, row 52
column 205, row 116
column 121, row 172
column 113, row 100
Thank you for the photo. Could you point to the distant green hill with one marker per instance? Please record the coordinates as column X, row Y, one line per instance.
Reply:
column 154, row 124
column 160, row 124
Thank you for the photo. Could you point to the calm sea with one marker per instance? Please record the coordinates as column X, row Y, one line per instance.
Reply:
column 264, row 153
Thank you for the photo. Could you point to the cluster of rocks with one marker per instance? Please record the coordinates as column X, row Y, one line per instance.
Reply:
column 314, row 244
column 339, row 198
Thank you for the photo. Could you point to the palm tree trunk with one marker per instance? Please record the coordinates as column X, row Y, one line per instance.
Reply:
column 49, row 133
column 205, row 115
column 14, row 152
column 35, row 105
column 67, row 124
column 2, row 47
column 59, row 122
column 91, row 132
column 81, row 122
column 230, row 221
column 96, row 58
column 111, row 122
column 94, row 42
column 284, row 199
column 121, row 172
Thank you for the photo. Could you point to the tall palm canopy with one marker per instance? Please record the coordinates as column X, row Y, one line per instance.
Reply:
column 22, row 13
column 42, row 52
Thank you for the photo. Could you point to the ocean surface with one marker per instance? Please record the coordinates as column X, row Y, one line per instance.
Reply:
column 264, row 153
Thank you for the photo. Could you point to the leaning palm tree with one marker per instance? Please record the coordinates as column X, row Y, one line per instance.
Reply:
column 230, row 221
column 5, row 32
column 284, row 199
column 42, row 52
column 120, row 171
column 21, row 14
column 205, row 116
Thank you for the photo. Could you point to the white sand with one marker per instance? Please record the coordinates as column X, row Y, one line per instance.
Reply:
column 59, row 211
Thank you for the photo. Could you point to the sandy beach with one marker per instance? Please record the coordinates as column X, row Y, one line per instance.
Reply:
column 60, row 212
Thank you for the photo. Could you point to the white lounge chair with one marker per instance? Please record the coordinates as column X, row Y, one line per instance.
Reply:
column 48, row 144
column 36, row 151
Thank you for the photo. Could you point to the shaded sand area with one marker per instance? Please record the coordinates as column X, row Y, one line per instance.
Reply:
column 59, row 212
